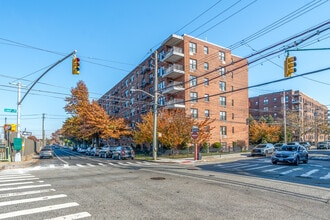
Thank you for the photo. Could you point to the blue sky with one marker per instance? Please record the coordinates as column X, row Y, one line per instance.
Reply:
column 114, row 36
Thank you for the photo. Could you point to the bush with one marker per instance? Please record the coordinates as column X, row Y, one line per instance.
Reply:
column 216, row 145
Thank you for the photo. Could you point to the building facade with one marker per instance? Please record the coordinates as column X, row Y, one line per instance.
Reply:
column 303, row 114
column 195, row 75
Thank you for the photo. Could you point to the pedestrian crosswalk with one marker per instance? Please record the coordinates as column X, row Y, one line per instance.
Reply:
column 24, row 196
column 264, row 166
column 93, row 164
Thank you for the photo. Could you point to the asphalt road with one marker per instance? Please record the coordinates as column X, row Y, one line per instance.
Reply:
column 106, row 189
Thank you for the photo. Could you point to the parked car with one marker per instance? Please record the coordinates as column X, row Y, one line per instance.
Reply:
column 46, row 152
column 262, row 149
column 278, row 146
column 106, row 151
column 323, row 145
column 95, row 151
column 306, row 144
column 82, row 149
column 122, row 152
column 89, row 150
column 293, row 143
column 292, row 154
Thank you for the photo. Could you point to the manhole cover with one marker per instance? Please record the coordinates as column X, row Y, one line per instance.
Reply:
column 157, row 178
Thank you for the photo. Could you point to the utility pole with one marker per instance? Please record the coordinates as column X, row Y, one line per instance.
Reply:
column 154, row 140
column 43, row 129
column 284, row 117
column 18, row 126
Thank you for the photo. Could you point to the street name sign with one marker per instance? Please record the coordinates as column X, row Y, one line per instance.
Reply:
column 11, row 110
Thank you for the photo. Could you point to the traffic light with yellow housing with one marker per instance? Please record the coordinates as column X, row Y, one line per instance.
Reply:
column 75, row 65
column 289, row 66
column 10, row 127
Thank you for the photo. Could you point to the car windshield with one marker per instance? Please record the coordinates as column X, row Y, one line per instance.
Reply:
column 46, row 149
column 289, row 148
column 261, row 146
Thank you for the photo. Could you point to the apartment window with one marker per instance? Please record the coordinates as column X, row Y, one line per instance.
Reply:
column 222, row 71
column 232, row 116
column 161, row 85
column 223, row 116
column 223, row 130
column 132, row 78
column 126, row 82
column 222, row 101
column 193, row 97
column 161, row 101
column 126, row 93
column 192, row 81
column 194, row 112
column 193, row 64
column 232, row 102
column 265, row 109
column 286, row 98
column 192, row 47
column 222, row 56
column 161, row 71
column 265, row 101
column 207, row 113
column 222, row 86
column 206, row 97
column 206, row 50
column 274, row 99
column 132, row 101
column 206, row 66
column 232, row 130
column 206, row 81
column 257, row 103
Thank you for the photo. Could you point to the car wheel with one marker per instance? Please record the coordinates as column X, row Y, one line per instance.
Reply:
column 40, row 157
column 266, row 152
column 119, row 157
column 306, row 161
column 274, row 162
column 296, row 162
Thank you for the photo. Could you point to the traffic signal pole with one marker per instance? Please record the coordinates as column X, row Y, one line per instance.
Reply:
column 19, row 100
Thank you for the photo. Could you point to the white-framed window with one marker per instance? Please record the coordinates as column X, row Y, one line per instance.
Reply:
column 132, row 78
column 223, row 116
column 206, row 66
column 192, row 65
column 222, row 86
column 194, row 112
column 206, row 98
column 126, row 82
column 126, row 93
column 132, row 101
column 206, row 50
column 223, row 101
column 265, row 109
column 207, row 113
column 223, row 130
column 266, row 101
column 192, row 81
column 274, row 99
column 161, row 71
column 192, row 47
column 222, row 56
column 206, row 81
column 222, row 71
column 161, row 85
column 193, row 96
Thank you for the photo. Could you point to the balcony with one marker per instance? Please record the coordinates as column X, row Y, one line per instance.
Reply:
column 175, row 103
column 174, row 71
column 173, row 55
column 173, row 87
column 173, row 40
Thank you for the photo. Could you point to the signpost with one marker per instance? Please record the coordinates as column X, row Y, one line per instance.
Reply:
column 11, row 110
column 194, row 135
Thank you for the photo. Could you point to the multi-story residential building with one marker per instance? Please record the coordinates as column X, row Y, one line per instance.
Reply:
column 304, row 115
column 195, row 75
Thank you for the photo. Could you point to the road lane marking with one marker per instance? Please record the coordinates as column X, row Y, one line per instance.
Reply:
column 277, row 168
column 14, row 202
column 13, row 184
column 79, row 165
column 102, row 164
column 26, row 193
column 230, row 165
column 52, row 166
column 309, row 173
column 72, row 216
column 112, row 164
column 244, row 166
column 13, row 177
column 23, row 187
column 290, row 171
column 325, row 177
column 14, row 180
column 122, row 163
column 255, row 168
column 37, row 210
column 89, row 164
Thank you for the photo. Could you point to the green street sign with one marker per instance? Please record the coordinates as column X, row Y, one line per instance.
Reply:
column 10, row 110
column 17, row 144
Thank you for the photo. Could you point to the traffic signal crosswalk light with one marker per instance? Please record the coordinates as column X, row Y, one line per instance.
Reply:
column 10, row 127
column 75, row 65
column 289, row 66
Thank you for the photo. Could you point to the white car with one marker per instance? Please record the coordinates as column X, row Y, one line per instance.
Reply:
column 263, row 149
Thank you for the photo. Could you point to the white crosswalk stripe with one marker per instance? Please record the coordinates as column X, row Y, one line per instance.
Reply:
column 15, row 186
column 309, row 173
column 325, row 177
column 290, row 171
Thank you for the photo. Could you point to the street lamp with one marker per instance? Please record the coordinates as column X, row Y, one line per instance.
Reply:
column 155, row 97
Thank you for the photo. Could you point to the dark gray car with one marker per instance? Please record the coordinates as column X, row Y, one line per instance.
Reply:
column 122, row 152
column 292, row 154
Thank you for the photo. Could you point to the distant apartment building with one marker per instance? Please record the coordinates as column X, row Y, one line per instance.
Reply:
column 304, row 114
column 195, row 75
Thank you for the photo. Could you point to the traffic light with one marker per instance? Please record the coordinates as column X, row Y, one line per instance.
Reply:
column 10, row 127
column 289, row 66
column 75, row 65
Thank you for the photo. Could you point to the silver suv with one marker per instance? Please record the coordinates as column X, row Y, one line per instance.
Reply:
column 263, row 149
column 122, row 152
column 106, row 151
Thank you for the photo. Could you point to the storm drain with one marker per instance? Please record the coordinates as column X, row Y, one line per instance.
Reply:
column 157, row 178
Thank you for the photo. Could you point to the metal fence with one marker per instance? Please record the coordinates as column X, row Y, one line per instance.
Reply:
column 5, row 154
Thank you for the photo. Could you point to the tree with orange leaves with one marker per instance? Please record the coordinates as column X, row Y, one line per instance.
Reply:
column 261, row 132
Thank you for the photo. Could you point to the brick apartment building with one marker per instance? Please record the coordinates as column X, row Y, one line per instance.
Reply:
column 194, row 75
column 310, row 114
